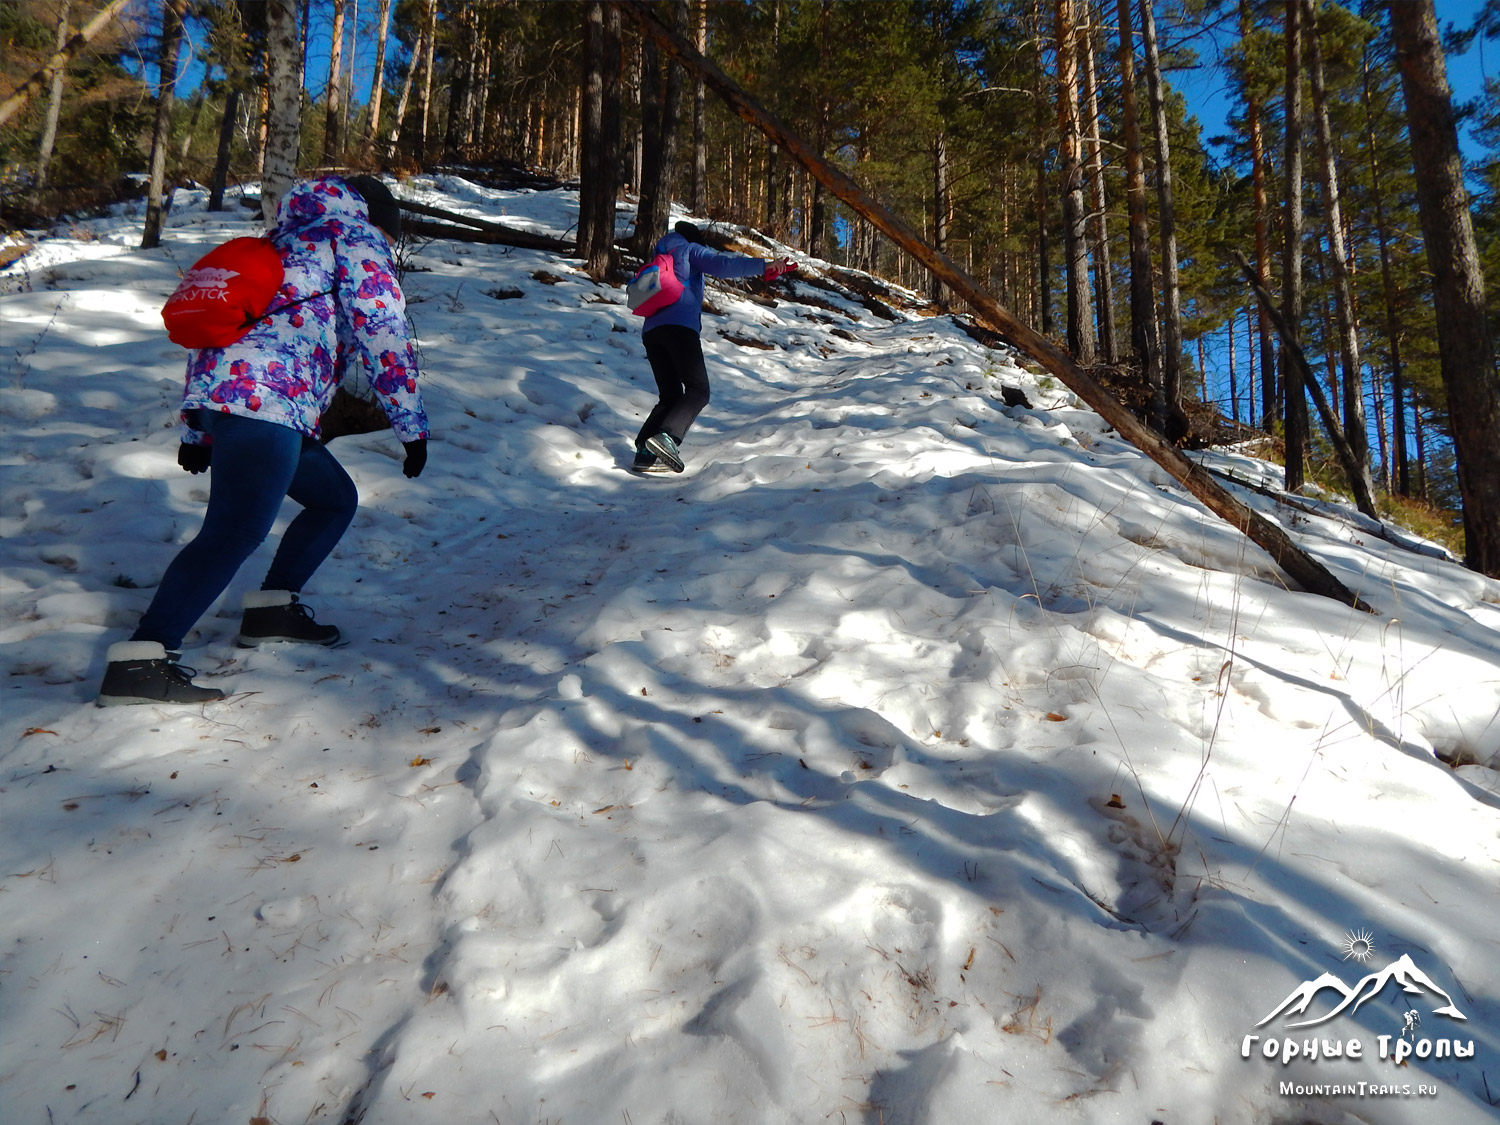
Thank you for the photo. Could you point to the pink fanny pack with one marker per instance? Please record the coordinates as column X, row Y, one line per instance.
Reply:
column 654, row 287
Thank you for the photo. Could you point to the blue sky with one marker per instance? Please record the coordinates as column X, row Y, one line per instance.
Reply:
column 1205, row 92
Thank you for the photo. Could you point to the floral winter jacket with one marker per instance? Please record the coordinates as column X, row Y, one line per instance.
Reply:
column 286, row 368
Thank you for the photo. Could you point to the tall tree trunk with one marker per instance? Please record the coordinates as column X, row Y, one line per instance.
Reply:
column 60, row 59
column 1171, row 297
column 1270, row 393
column 728, row 184
column 429, row 38
column 373, row 129
column 1009, row 289
column 1382, row 444
column 402, row 102
column 1040, row 199
column 186, row 151
column 1360, row 482
column 1143, row 337
column 660, row 111
column 54, row 103
column 769, row 191
column 1397, row 470
column 536, row 133
column 471, row 61
column 1311, row 574
column 1262, row 207
column 818, row 218
column 172, row 14
column 259, row 125
column 1466, row 352
column 700, row 113
column 941, row 214
column 599, row 179
column 306, row 25
column 591, row 124
column 226, row 142
column 333, row 119
column 1234, row 385
column 773, row 225
column 482, row 93
column 1104, row 292
column 648, row 112
column 464, row 78
column 614, row 59
column 1291, row 261
column 352, row 50
column 284, row 121
column 1251, row 352
column 460, row 84
column 1419, row 432
column 1082, row 341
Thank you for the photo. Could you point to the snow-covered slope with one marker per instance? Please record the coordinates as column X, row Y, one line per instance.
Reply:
column 911, row 758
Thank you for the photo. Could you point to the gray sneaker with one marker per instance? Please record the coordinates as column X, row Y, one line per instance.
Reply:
column 145, row 672
column 648, row 462
column 665, row 447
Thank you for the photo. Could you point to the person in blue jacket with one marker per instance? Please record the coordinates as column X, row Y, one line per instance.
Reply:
column 252, row 413
column 673, row 346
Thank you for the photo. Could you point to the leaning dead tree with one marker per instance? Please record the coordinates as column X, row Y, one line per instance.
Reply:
column 1306, row 571
column 1356, row 469
column 59, row 61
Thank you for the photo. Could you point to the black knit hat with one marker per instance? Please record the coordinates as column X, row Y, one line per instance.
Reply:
column 384, row 212
column 689, row 232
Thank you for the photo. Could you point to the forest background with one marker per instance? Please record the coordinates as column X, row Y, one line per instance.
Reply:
column 1047, row 146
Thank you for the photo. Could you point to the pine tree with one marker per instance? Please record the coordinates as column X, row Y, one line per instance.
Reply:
column 172, row 14
column 1465, row 344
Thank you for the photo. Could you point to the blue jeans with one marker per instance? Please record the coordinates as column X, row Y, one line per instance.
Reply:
column 255, row 465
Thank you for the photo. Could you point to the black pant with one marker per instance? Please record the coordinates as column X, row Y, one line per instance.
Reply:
column 676, row 356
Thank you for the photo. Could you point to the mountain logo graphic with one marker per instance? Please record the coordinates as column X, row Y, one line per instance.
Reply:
column 1403, row 971
column 209, row 277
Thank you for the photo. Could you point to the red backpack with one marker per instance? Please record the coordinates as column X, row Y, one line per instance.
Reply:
column 224, row 294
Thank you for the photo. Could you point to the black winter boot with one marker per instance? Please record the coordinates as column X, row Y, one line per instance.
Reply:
column 145, row 672
column 277, row 615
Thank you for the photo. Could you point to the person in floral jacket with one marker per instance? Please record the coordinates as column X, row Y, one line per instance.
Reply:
column 252, row 412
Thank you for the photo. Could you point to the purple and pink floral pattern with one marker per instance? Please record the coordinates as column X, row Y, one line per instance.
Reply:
column 286, row 369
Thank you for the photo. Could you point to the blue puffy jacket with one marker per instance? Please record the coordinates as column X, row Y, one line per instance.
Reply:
column 286, row 368
column 692, row 262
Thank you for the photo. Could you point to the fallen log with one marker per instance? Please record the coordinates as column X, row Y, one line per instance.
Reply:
column 1306, row 571
column 455, row 226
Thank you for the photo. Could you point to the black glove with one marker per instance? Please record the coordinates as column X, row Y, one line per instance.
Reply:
column 416, row 457
column 194, row 458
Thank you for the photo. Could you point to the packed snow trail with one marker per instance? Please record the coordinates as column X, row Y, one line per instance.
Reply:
column 910, row 758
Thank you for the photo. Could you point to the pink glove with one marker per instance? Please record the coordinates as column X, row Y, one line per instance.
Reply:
column 778, row 267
